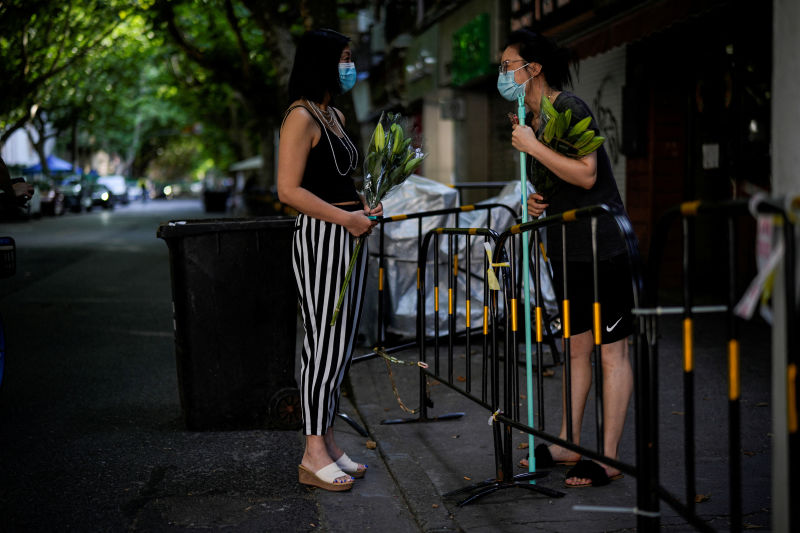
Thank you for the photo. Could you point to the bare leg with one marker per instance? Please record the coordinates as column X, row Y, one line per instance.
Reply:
column 316, row 454
column 581, row 370
column 330, row 443
column 617, row 389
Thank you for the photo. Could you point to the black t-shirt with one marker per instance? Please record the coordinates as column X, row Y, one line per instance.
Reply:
column 566, row 196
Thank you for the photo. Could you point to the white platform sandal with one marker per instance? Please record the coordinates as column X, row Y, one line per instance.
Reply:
column 348, row 466
column 328, row 477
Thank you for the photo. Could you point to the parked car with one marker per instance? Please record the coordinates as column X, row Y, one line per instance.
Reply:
column 72, row 187
column 118, row 187
column 33, row 209
column 97, row 194
column 52, row 199
column 134, row 192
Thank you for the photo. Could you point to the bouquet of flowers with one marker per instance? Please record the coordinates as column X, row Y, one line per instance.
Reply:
column 389, row 161
column 559, row 134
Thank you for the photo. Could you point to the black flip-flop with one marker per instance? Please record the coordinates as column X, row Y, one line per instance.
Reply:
column 544, row 458
column 592, row 471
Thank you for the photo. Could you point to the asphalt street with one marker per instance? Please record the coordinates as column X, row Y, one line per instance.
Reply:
column 91, row 434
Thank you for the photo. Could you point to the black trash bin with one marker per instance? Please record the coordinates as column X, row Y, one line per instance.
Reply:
column 235, row 318
column 216, row 201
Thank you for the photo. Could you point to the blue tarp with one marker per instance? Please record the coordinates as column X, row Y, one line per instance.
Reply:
column 54, row 164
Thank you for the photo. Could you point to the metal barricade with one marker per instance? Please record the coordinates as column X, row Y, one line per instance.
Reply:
column 690, row 215
column 492, row 379
column 498, row 377
column 380, row 347
column 509, row 416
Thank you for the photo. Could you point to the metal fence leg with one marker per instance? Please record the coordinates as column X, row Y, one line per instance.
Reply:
column 647, row 499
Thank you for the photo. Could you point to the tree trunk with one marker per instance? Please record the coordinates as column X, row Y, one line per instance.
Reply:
column 7, row 132
column 134, row 147
column 75, row 165
column 38, row 145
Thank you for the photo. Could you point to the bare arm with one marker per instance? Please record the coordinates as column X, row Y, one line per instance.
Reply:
column 580, row 172
column 298, row 134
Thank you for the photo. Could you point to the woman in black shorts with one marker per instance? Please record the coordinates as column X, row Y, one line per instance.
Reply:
column 541, row 68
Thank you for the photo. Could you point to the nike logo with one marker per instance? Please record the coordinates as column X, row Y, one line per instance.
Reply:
column 609, row 329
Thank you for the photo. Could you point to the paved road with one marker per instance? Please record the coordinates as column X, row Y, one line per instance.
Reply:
column 91, row 436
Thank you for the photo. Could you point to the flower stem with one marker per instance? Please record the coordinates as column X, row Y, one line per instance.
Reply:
column 353, row 259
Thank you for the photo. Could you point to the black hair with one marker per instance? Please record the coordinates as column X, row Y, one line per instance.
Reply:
column 316, row 65
column 537, row 48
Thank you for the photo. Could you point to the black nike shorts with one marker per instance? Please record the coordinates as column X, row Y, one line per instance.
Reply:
column 616, row 296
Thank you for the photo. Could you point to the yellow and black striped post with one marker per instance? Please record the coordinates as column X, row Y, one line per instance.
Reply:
column 688, row 210
column 485, row 338
column 381, row 323
column 436, row 304
column 734, row 387
column 468, row 309
column 452, row 269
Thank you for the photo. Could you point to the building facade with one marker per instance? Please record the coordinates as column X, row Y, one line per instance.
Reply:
column 681, row 90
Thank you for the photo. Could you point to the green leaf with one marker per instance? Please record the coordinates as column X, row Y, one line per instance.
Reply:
column 580, row 127
column 549, row 130
column 377, row 162
column 397, row 143
column 412, row 164
column 561, row 125
column 592, row 146
column 548, row 109
column 584, row 139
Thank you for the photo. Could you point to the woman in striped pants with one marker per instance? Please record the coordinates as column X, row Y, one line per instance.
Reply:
column 315, row 160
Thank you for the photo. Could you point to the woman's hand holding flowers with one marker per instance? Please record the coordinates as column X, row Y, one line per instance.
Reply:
column 376, row 212
column 360, row 220
column 358, row 224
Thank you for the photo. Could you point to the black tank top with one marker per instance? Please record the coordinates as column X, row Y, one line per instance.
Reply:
column 321, row 176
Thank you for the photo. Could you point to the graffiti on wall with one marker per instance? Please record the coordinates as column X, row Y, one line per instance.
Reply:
column 609, row 126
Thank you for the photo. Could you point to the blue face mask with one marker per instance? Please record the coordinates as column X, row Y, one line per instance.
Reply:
column 347, row 76
column 508, row 86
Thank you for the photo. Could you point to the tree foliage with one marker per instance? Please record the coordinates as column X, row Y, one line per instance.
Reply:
column 132, row 77
column 40, row 40
column 246, row 46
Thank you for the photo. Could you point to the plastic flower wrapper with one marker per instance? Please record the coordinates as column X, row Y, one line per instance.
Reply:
column 561, row 135
column 390, row 160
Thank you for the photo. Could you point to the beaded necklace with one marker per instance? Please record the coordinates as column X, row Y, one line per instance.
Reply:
column 326, row 118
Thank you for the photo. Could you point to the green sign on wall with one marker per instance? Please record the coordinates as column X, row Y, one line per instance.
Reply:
column 471, row 57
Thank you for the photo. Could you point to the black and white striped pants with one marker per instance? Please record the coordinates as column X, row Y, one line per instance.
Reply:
column 321, row 253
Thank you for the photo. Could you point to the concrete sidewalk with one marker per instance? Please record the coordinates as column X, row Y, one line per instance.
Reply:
column 415, row 465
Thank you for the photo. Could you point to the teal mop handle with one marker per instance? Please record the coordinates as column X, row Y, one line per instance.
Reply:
column 526, row 287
